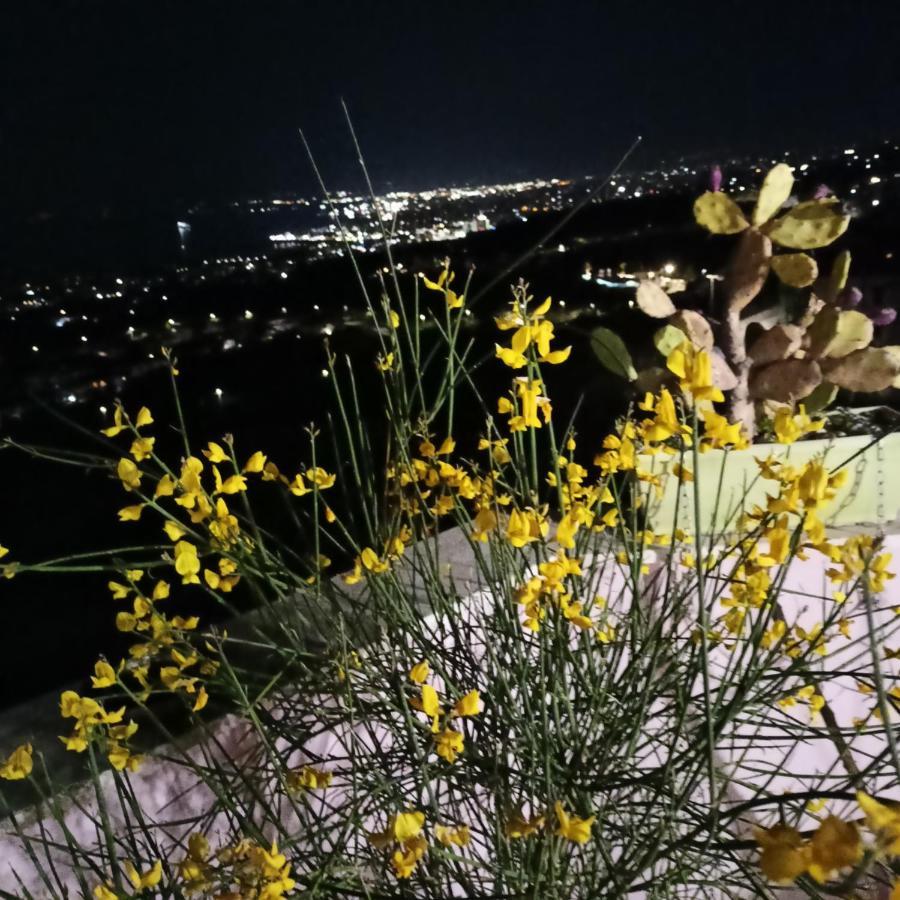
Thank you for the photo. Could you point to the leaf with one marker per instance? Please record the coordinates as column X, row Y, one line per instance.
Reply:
column 795, row 269
column 668, row 338
column 718, row 213
column 809, row 225
column 779, row 342
column 854, row 331
column 722, row 375
column 612, row 353
column 867, row 370
column 748, row 269
column 776, row 188
column 786, row 381
column 821, row 398
column 698, row 330
column 654, row 301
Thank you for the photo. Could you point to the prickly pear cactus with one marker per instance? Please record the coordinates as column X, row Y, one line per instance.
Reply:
column 828, row 346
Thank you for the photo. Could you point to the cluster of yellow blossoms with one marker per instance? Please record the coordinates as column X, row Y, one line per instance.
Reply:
column 92, row 722
column 834, row 847
column 448, row 741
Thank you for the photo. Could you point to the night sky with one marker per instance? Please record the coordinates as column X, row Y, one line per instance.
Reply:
column 138, row 103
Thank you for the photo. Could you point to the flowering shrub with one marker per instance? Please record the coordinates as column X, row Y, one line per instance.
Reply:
column 583, row 720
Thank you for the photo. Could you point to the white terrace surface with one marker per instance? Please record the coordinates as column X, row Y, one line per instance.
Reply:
column 170, row 794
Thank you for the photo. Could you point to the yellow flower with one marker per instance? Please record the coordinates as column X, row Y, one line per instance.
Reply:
column 141, row 880
column 429, row 704
column 385, row 363
column 834, row 846
column 470, row 705
column 173, row 530
column 510, row 357
column 202, row 699
column 165, row 487
column 394, row 319
column 449, row 744
column 525, row 526
column 187, row 564
column 407, row 825
column 18, row 764
column 256, row 463
column 405, row 860
column 720, row 433
column 453, row 300
column 131, row 513
column 233, row 484
column 788, row 428
column 142, row 447
column 320, row 478
column 485, row 521
column 784, row 856
column 308, row 778
column 104, row 675
column 129, row 474
column 694, row 371
column 3, row 551
column 883, row 820
column 518, row 826
column 215, row 453
column 369, row 559
column 449, row 836
column 573, row 828
column 419, row 672
column 143, row 418
column 102, row 892
column 119, row 425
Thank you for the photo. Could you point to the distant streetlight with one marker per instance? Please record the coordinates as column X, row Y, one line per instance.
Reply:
column 712, row 279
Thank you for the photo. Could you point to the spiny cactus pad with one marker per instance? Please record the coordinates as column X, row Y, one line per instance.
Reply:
column 654, row 301
column 779, row 342
column 870, row 369
column 697, row 329
column 718, row 213
column 786, row 381
column 798, row 270
column 809, row 225
column 748, row 270
column 854, row 331
column 776, row 188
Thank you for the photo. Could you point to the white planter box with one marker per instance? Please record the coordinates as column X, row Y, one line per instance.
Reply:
column 870, row 496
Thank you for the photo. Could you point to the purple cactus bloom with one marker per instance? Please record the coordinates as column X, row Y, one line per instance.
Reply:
column 715, row 179
column 822, row 191
column 849, row 297
column 884, row 316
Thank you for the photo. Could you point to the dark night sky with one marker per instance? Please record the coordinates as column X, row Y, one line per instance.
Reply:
column 132, row 102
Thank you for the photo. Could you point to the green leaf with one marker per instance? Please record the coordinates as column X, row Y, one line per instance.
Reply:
column 821, row 398
column 718, row 213
column 612, row 353
column 776, row 188
column 809, row 225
